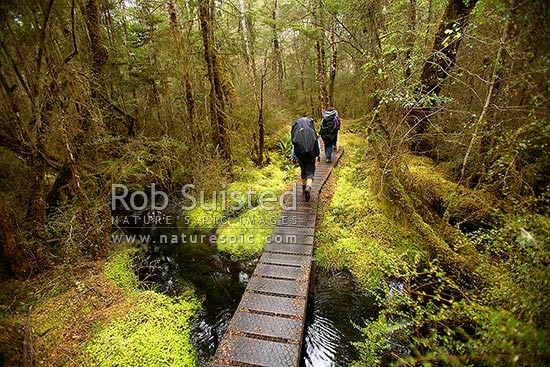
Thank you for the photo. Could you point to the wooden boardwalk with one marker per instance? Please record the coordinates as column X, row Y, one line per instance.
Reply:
column 267, row 327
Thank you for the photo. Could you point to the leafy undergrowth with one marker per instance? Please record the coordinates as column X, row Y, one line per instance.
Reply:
column 140, row 161
column 429, row 317
column 94, row 314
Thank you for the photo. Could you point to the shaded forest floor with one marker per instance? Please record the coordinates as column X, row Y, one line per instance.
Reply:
column 84, row 312
column 93, row 313
column 55, row 312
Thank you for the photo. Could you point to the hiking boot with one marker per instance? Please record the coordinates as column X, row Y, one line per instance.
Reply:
column 329, row 160
column 304, row 189
column 307, row 192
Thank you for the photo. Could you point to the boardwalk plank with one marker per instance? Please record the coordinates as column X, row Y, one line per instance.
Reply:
column 278, row 286
column 258, row 352
column 267, row 328
column 275, row 305
column 285, row 259
column 289, row 248
column 299, row 274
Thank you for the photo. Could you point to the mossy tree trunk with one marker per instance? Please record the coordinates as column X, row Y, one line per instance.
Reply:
column 410, row 39
column 320, row 57
column 36, row 215
column 439, row 65
column 333, row 61
column 185, row 80
column 250, row 60
column 218, row 110
column 277, row 64
column 460, row 264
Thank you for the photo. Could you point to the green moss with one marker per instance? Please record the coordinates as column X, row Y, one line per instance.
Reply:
column 359, row 232
column 156, row 332
column 231, row 202
column 493, row 313
column 246, row 235
column 435, row 196
column 202, row 218
column 119, row 268
column 244, row 214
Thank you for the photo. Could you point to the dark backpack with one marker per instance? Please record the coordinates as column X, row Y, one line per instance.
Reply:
column 328, row 128
column 304, row 138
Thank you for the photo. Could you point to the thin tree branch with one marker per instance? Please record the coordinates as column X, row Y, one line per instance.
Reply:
column 75, row 48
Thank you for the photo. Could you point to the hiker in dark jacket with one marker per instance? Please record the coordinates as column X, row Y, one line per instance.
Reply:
column 329, row 130
column 306, row 148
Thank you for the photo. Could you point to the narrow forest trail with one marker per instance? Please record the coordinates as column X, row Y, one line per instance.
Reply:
column 268, row 327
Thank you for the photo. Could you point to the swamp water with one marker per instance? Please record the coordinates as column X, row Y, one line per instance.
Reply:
column 219, row 282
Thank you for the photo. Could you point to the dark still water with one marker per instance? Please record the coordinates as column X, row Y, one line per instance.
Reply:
column 333, row 308
column 219, row 283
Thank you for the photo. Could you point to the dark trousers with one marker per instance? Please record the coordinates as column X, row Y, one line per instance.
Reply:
column 329, row 143
column 307, row 167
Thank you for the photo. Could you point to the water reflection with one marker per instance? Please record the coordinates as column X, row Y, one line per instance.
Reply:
column 335, row 306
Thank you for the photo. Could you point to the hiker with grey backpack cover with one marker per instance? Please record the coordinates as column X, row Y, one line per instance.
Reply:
column 306, row 149
column 330, row 124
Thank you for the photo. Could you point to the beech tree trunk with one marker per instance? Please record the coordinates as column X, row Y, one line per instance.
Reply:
column 439, row 65
column 410, row 38
column 36, row 214
column 218, row 113
column 447, row 41
column 183, row 61
column 320, row 57
column 99, row 51
column 333, row 63
column 258, row 94
column 278, row 69
column 16, row 263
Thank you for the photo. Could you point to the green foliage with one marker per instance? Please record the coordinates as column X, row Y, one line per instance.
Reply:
column 504, row 340
column 284, row 145
column 154, row 86
column 427, row 318
column 520, row 253
column 377, row 334
column 522, row 164
column 358, row 233
column 72, row 236
column 156, row 332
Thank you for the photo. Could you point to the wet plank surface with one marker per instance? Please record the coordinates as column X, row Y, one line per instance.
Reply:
column 267, row 328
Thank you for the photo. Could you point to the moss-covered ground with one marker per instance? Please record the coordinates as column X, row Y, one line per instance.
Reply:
column 430, row 316
column 94, row 314
column 244, row 212
column 97, row 313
